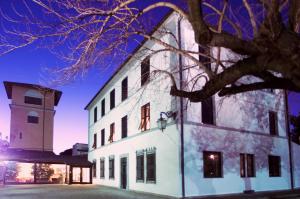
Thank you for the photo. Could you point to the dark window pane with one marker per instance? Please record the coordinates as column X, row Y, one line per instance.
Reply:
column 95, row 114
column 33, row 100
column 103, row 107
column 273, row 123
column 124, row 126
column 145, row 71
column 112, row 99
column 242, row 165
column 102, row 168
column 274, row 166
column 102, row 137
column 151, row 167
column 250, row 165
column 94, row 169
column 205, row 60
column 124, row 88
column 212, row 164
column 140, row 167
column 207, row 111
column 95, row 141
column 111, row 168
column 32, row 119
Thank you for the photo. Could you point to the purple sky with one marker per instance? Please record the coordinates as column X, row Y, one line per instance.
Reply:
column 28, row 65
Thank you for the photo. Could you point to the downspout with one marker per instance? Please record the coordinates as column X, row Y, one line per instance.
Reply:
column 181, row 113
column 287, row 119
column 44, row 109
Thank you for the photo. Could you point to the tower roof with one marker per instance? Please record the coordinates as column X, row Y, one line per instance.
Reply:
column 8, row 87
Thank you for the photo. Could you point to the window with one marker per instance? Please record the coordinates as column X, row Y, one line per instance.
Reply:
column 145, row 117
column 124, row 88
column 207, row 111
column 102, row 160
column 140, row 167
column 32, row 119
column 151, row 167
column 247, row 165
column 103, row 107
column 273, row 123
column 212, row 164
column 124, row 126
column 102, row 137
column 95, row 114
column 94, row 169
column 274, row 166
column 112, row 132
column 95, row 141
column 145, row 71
column 33, row 100
column 112, row 99
column 111, row 167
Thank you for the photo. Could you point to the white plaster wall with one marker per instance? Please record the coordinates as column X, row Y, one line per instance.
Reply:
column 296, row 164
column 231, row 144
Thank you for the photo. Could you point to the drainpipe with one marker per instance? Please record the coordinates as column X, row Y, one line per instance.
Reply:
column 44, row 109
column 181, row 113
column 287, row 119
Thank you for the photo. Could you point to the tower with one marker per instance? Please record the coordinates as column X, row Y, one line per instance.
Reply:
column 32, row 115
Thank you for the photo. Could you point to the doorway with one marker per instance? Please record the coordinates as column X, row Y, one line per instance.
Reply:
column 124, row 172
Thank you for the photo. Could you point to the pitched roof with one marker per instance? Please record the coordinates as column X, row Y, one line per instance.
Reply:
column 129, row 57
column 8, row 87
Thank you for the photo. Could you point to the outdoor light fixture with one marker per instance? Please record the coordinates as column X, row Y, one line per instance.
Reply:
column 162, row 122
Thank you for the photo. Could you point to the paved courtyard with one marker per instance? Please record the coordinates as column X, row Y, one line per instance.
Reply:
column 100, row 192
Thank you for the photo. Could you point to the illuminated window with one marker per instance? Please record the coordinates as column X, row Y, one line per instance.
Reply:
column 207, row 111
column 124, row 126
column 273, row 123
column 102, row 161
column 111, row 167
column 140, row 167
column 95, row 141
column 94, row 166
column 124, row 88
column 247, row 165
column 274, row 166
column 102, row 107
column 145, row 71
column 145, row 117
column 112, row 132
column 112, row 99
column 212, row 164
column 95, row 114
column 102, row 137
column 151, row 167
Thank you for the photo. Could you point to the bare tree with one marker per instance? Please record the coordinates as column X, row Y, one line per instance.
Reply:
column 265, row 33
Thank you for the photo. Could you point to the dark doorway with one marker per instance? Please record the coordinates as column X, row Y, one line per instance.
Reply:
column 123, row 173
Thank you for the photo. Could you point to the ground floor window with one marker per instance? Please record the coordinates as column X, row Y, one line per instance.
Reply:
column 151, row 167
column 247, row 165
column 94, row 169
column 111, row 167
column 212, row 164
column 102, row 160
column 274, row 166
column 140, row 167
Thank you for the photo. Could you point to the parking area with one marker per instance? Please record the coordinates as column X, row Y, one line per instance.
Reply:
column 100, row 192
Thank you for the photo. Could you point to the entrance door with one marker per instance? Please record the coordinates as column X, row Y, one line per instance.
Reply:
column 123, row 173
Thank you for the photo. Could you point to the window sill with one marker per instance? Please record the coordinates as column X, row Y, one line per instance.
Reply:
column 150, row 182
column 140, row 181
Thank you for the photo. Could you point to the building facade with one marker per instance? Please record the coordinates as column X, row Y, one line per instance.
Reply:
column 220, row 146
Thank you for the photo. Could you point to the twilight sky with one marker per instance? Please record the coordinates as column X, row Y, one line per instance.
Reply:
column 70, row 125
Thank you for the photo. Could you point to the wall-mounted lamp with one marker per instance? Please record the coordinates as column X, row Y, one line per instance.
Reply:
column 162, row 122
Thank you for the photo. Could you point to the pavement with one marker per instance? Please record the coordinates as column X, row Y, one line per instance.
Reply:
column 101, row 192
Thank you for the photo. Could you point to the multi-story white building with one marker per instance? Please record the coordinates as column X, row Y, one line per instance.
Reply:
column 220, row 146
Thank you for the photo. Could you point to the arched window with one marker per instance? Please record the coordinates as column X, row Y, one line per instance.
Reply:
column 33, row 117
column 33, row 97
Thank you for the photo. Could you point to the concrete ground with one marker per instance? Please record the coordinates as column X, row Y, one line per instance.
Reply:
column 100, row 192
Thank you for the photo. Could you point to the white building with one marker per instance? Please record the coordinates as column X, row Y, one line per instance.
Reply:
column 225, row 145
